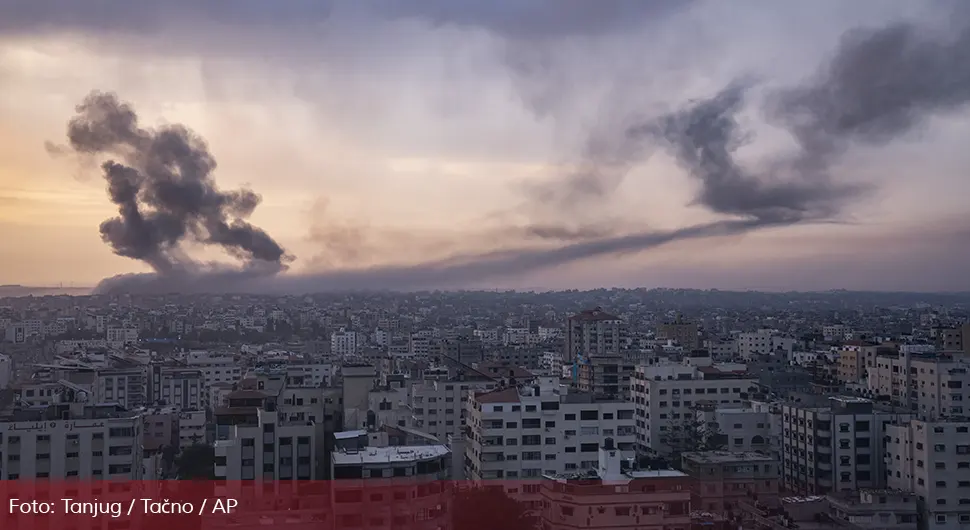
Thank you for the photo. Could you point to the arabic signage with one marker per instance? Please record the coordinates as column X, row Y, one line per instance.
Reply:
column 43, row 426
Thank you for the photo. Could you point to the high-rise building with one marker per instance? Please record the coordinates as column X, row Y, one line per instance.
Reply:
column 593, row 332
column 932, row 460
column 684, row 333
column 835, row 448
column 542, row 428
column 255, row 440
column 666, row 397
column 71, row 440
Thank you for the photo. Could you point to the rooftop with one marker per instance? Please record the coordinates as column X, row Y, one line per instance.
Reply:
column 347, row 435
column 727, row 457
column 592, row 315
column 388, row 455
column 625, row 476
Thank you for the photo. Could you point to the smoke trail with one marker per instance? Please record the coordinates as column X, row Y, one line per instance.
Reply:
column 879, row 86
column 161, row 180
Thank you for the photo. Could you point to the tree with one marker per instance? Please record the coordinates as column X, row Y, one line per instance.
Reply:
column 690, row 433
column 489, row 508
column 197, row 462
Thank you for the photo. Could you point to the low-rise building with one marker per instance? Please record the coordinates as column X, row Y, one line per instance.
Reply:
column 721, row 479
column 616, row 496
column 875, row 509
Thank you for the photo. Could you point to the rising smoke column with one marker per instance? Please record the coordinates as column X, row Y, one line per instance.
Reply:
column 161, row 180
column 879, row 85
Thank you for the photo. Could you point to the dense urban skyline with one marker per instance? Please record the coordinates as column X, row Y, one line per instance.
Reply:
column 519, row 137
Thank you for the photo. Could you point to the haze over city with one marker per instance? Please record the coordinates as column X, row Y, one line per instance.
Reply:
column 305, row 146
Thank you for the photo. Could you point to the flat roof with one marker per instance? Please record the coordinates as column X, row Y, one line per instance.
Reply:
column 389, row 455
column 727, row 457
column 346, row 435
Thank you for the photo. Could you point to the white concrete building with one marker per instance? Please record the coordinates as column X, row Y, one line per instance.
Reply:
column 71, row 440
column 835, row 448
column 180, row 387
column 344, row 343
column 267, row 447
column 542, row 428
column 191, row 428
column 666, row 395
column 764, row 342
column 6, row 371
column 617, row 497
column 215, row 368
column 439, row 406
column 932, row 459
column 931, row 386
column 121, row 335
column 744, row 429
column 593, row 332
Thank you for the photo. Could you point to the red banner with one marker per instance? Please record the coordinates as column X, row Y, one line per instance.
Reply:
column 393, row 504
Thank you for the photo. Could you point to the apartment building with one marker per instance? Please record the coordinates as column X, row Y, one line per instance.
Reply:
column 121, row 335
column 931, row 385
column 191, row 428
column 836, row 447
column 615, row 495
column 6, row 371
column 542, row 428
column 665, row 397
column 857, row 358
column 742, row 428
column 465, row 350
column 438, row 406
column 128, row 386
column 593, row 332
column 390, row 479
column 685, row 334
column 71, row 440
column 932, row 459
column 720, row 480
column 345, row 343
column 160, row 428
column 889, row 509
column 765, row 342
column 256, row 441
column 950, row 339
column 216, row 368
column 177, row 386
column 606, row 375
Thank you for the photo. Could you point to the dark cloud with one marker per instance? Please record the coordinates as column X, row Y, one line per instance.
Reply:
column 879, row 85
column 161, row 180
column 535, row 19
column 447, row 273
column 519, row 19
column 704, row 139
column 30, row 17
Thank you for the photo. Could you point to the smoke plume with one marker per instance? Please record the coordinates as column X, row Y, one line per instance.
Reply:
column 161, row 180
column 879, row 85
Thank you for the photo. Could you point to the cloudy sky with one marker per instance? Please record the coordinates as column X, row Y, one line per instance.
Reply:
column 381, row 133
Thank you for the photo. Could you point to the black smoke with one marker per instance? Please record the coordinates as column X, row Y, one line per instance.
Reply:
column 880, row 85
column 162, row 182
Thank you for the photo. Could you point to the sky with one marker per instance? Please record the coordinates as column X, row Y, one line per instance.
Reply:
column 526, row 137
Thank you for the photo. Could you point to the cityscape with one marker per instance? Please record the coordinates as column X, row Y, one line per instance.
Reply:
column 711, row 407
column 458, row 265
